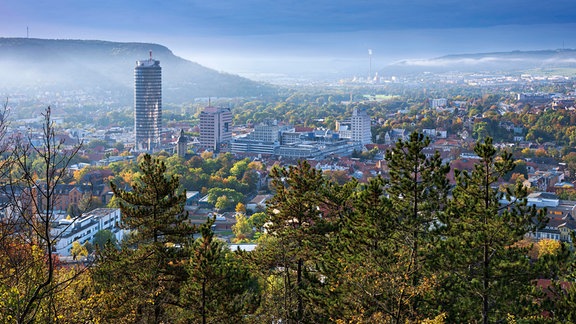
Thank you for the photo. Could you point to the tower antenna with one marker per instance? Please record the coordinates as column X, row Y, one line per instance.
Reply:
column 370, row 65
column 150, row 55
column 27, row 32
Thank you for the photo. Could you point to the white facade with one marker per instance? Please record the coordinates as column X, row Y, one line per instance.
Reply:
column 441, row 102
column 265, row 133
column 265, row 139
column 215, row 127
column 360, row 127
column 85, row 227
column 344, row 129
column 434, row 133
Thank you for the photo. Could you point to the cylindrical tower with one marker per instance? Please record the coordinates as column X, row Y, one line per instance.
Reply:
column 147, row 104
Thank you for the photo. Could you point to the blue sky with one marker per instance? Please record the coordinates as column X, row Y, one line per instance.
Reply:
column 240, row 36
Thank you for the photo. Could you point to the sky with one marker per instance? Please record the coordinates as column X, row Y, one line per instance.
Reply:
column 298, row 37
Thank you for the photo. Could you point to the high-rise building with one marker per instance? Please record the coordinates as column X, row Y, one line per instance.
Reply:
column 147, row 104
column 215, row 128
column 360, row 127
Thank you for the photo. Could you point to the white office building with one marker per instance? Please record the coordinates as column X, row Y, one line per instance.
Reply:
column 215, row 128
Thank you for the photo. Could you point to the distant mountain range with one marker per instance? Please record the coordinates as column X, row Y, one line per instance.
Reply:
column 107, row 68
column 519, row 61
column 90, row 66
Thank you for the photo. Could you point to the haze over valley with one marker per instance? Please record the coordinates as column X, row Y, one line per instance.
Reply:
column 90, row 66
column 303, row 41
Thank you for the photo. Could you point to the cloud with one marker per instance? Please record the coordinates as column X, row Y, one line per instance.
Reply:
column 443, row 62
column 261, row 17
column 526, row 59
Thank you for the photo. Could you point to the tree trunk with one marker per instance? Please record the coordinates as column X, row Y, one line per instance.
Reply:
column 299, row 286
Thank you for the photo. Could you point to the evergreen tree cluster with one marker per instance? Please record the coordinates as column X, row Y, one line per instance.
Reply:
column 408, row 248
column 401, row 250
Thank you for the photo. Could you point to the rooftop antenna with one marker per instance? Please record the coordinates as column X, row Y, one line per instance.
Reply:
column 370, row 66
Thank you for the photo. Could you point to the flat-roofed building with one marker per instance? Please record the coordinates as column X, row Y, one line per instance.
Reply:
column 215, row 128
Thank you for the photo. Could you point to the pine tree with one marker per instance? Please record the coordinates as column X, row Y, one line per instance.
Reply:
column 145, row 276
column 358, row 259
column 418, row 189
column 154, row 209
column 220, row 288
column 391, row 233
column 299, row 218
column 488, row 275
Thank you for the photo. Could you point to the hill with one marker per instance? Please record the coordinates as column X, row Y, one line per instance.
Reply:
column 516, row 61
column 91, row 66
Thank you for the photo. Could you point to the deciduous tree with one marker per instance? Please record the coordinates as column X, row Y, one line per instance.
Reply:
column 28, row 261
column 78, row 250
column 104, row 237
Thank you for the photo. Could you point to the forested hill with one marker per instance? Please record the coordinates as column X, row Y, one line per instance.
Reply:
column 492, row 62
column 92, row 65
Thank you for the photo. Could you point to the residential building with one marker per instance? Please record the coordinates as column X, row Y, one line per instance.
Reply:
column 437, row 103
column 544, row 180
column 83, row 228
column 258, row 203
column 561, row 224
column 147, row 104
column 192, row 198
column 64, row 195
column 360, row 127
column 215, row 128
column 394, row 135
column 434, row 133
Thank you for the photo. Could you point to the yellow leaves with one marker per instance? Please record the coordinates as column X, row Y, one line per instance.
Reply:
column 240, row 208
column 547, row 247
column 361, row 318
column 256, row 165
column 440, row 319
column 334, row 286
